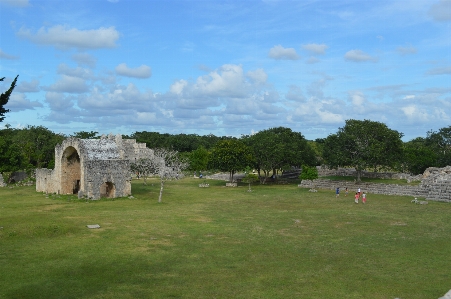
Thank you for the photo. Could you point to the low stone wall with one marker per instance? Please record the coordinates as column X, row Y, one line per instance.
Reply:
column 2, row 183
column 324, row 171
column 387, row 189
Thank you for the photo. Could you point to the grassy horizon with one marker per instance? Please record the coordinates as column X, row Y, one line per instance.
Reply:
column 278, row 241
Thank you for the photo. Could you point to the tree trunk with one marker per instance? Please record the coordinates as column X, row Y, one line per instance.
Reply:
column 231, row 176
column 161, row 190
column 266, row 176
column 359, row 174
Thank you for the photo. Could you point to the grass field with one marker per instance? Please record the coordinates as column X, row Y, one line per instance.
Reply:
column 278, row 241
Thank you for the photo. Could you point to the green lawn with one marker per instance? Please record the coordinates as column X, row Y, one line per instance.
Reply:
column 278, row 241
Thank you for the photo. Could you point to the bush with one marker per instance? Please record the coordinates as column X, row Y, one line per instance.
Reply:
column 309, row 173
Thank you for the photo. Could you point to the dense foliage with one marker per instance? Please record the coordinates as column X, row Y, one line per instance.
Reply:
column 27, row 148
column 4, row 98
column 279, row 148
column 362, row 144
column 231, row 156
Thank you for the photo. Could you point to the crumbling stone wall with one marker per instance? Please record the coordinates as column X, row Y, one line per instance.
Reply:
column 435, row 185
column 92, row 167
column 325, row 171
column 115, row 172
column 374, row 188
column 2, row 183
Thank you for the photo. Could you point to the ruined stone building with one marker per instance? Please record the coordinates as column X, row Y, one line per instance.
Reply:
column 93, row 168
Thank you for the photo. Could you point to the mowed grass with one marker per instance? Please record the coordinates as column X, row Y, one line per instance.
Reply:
column 278, row 241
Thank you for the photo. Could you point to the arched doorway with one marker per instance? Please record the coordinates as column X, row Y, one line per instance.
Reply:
column 108, row 190
column 70, row 171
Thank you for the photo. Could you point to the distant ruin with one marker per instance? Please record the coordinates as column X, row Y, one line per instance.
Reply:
column 435, row 184
column 92, row 168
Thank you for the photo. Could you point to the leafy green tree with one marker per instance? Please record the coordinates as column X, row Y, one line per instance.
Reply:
column 198, row 159
column 308, row 173
column 440, row 143
column 363, row 145
column 250, row 178
column 10, row 157
column 231, row 155
column 28, row 148
column 280, row 148
column 418, row 156
column 37, row 146
column 4, row 98
column 168, row 166
column 85, row 135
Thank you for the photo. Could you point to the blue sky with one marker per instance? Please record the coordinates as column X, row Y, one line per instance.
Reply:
column 226, row 67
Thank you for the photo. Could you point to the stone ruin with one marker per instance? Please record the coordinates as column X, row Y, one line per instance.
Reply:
column 435, row 184
column 92, row 168
column 2, row 183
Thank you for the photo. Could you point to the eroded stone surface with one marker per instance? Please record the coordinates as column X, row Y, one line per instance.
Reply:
column 2, row 183
column 435, row 185
column 93, row 168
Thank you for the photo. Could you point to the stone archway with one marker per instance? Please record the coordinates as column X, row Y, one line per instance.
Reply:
column 70, row 171
column 108, row 190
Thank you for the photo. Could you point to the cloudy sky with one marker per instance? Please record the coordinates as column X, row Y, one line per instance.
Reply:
column 226, row 67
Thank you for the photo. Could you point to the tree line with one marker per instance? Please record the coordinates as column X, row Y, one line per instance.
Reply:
column 365, row 145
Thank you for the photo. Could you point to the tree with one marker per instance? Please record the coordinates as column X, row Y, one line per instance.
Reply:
column 308, row 173
column 85, row 135
column 167, row 166
column 280, row 148
column 4, row 98
column 28, row 148
column 144, row 167
column 440, row 143
column 362, row 145
column 198, row 159
column 164, row 163
column 230, row 155
column 418, row 156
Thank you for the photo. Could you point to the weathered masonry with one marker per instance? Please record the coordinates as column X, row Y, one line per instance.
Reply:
column 93, row 168
column 435, row 185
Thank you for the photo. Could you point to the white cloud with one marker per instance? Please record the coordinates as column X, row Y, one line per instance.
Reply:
column 415, row 114
column 69, row 84
column 142, row 71
column 65, row 38
column 280, row 53
column 24, row 86
column 358, row 56
column 440, row 71
column 57, row 101
column 18, row 3
column 316, row 111
column 315, row 48
column 406, row 50
column 85, row 59
column 79, row 72
column 227, row 81
column 178, row 86
column 441, row 11
column 4, row 55
column 258, row 76
column 19, row 102
column 357, row 98
column 295, row 94
column 409, row 97
column 312, row 60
